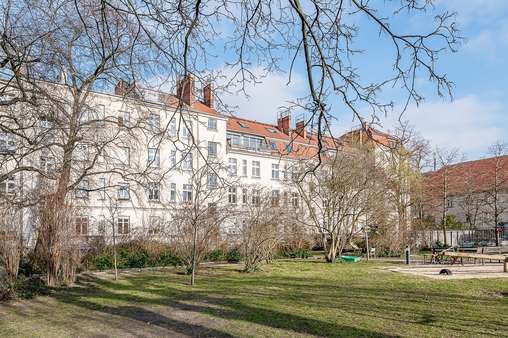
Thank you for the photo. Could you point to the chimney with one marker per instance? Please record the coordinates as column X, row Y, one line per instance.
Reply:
column 208, row 95
column 300, row 129
column 283, row 123
column 185, row 90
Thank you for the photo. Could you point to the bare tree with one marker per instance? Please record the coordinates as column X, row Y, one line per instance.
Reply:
column 261, row 223
column 494, row 200
column 341, row 197
column 197, row 218
column 472, row 201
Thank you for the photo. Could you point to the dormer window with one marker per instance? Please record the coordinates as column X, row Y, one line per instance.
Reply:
column 243, row 124
column 271, row 130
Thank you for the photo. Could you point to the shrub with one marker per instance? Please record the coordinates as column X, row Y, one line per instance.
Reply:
column 298, row 253
column 234, row 256
column 216, row 255
column 24, row 287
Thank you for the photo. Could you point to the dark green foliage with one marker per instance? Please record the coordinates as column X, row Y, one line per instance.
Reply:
column 216, row 255
column 296, row 253
column 234, row 256
column 134, row 254
column 23, row 288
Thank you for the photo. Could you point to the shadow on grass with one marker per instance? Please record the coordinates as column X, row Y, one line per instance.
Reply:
column 224, row 299
column 162, row 303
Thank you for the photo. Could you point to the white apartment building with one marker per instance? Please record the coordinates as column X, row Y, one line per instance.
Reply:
column 142, row 148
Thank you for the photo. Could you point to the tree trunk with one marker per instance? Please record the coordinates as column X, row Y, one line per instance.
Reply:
column 194, row 253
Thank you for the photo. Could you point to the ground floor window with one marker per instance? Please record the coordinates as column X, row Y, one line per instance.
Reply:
column 123, row 223
column 81, row 223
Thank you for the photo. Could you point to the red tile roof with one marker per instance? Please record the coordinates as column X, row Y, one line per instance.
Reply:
column 471, row 176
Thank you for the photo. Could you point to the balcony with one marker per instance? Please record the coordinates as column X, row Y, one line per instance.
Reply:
column 250, row 147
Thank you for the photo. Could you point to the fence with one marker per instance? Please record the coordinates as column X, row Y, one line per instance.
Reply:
column 479, row 237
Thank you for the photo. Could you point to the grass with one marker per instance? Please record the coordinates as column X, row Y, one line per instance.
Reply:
column 286, row 299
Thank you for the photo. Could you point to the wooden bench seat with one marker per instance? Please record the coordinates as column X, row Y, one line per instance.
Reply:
column 482, row 256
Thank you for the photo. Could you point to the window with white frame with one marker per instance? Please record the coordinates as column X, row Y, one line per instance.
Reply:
column 123, row 191
column 102, row 188
column 232, row 197
column 124, row 156
column 123, row 224
column 81, row 224
column 46, row 163
column 256, row 169
column 244, row 168
column 187, row 193
column 187, row 129
column 7, row 143
column 154, row 225
column 100, row 114
column 212, row 123
column 82, row 190
column 187, row 162
column 212, row 180
column 101, row 225
column 232, row 167
column 154, row 191
column 153, row 157
column 8, row 186
column 245, row 196
column 294, row 199
column 124, row 119
column 154, row 122
column 172, row 158
column 172, row 131
column 172, row 192
column 256, row 197
column 212, row 149
column 275, row 171
column 275, row 198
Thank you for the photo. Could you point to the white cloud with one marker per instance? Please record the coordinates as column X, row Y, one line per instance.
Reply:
column 475, row 11
column 467, row 123
column 264, row 98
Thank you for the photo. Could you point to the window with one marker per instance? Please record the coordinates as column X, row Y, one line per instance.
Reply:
column 100, row 113
column 275, row 171
column 101, row 225
column 187, row 162
column 172, row 192
column 253, row 143
column 187, row 129
column 285, row 173
column 172, row 128
column 294, row 199
column 212, row 124
column 271, row 130
column 124, row 156
column 295, row 174
column 243, row 124
column 187, row 193
column 275, row 198
column 212, row 149
column 273, row 145
column 46, row 163
column 245, row 196
column 123, row 191
column 232, row 195
column 81, row 223
column 102, row 188
column 256, row 170
column 153, row 191
column 123, row 223
column 153, row 157
column 234, row 139
column 8, row 186
column 82, row 190
column 154, row 225
column 172, row 158
column 154, row 122
column 7, row 143
column 449, row 202
column 124, row 119
column 212, row 180
column 256, row 199
column 233, row 167
column 244, row 168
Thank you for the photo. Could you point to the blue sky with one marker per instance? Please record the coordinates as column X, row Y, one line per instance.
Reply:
column 474, row 119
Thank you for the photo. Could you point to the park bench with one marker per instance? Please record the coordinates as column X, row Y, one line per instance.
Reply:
column 459, row 256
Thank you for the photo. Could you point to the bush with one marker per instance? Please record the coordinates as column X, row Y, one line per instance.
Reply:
column 134, row 254
column 296, row 253
column 216, row 255
column 234, row 256
column 24, row 288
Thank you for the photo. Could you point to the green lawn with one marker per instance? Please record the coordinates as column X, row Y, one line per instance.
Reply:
column 286, row 299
